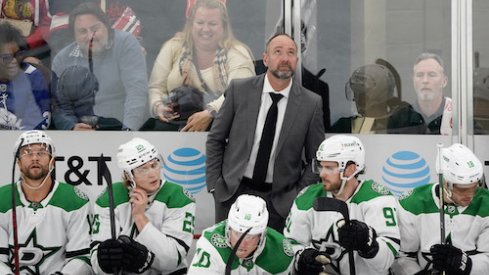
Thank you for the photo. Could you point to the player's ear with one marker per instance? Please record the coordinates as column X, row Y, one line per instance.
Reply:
column 350, row 169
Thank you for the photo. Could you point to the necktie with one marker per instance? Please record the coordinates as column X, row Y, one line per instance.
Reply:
column 266, row 142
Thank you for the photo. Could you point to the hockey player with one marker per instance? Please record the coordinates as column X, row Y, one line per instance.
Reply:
column 372, row 234
column 154, row 218
column 466, row 248
column 51, row 216
column 262, row 251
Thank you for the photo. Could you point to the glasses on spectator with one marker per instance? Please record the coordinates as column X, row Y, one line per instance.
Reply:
column 29, row 153
column 6, row 58
column 147, row 168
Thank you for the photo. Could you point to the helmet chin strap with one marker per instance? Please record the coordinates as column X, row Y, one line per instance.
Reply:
column 344, row 180
column 43, row 181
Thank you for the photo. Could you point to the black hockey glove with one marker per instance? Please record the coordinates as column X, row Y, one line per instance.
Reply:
column 311, row 261
column 357, row 235
column 57, row 273
column 450, row 259
column 109, row 255
column 137, row 258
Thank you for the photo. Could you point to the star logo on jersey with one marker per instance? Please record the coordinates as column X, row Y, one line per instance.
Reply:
column 329, row 244
column 32, row 255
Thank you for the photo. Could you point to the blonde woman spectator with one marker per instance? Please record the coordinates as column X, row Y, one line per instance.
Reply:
column 205, row 56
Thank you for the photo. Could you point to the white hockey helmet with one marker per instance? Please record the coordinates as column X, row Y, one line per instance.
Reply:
column 460, row 166
column 34, row 137
column 248, row 212
column 342, row 149
column 135, row 153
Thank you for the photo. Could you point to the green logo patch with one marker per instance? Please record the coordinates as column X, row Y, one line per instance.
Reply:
column 80, row 193
column 379, row 188
column 218, row 240
column 288, row 247
column 406, row 194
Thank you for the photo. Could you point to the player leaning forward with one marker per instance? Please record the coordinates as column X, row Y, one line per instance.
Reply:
column 262, row 250
column 372, row 233
column 466, row 207
column 154, row 219
column 51, row 216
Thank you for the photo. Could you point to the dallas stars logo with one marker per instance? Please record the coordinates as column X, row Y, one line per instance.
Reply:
column 32, row 255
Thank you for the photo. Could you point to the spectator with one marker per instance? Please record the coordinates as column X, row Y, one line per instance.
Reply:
column 52, row 227
column 372, row 88
column 259, row 148
column 60, row 34
column 33, row 19
column 154, row 221
column 118, row 64
column 24, row 95
column 371, row 234
column 464, row 248
column 432, row 112
column 262, row 250
column 204, row 56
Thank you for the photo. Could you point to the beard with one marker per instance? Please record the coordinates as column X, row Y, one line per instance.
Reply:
column 37, row 174
column 427, row 95
column 283, row 74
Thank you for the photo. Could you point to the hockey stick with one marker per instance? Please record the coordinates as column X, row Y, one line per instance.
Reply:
column 14, row 212
column 230, row 260
column 104, row 171
column 324, row 204
column 441, row 186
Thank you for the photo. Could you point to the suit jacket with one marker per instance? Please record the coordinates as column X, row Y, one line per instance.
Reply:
column 230, row 141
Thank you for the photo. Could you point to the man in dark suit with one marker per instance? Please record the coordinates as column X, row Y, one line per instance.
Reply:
column 235, row 138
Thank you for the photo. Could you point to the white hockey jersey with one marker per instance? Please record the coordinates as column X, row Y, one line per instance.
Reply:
column 169, row 233
column 212, row 253
column 466, row 228
column 371, row 203
column 53, row 234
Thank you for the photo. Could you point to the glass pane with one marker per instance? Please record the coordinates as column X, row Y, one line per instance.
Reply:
column 481, row 67
column 387, row 37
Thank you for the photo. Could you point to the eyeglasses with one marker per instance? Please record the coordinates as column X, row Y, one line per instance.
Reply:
column 6, row 58
column 146, row 168
column 29, row 153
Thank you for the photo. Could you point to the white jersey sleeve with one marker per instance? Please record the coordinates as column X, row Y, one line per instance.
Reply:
column 171, row 239
column 380, row 214
column 168, row 234
column 53, row 234
column 466, row 228
column 206, row 260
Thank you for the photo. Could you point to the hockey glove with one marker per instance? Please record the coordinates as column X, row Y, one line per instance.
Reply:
column 357, row 235
column 109, row 255
column 137, row 258
column 311, row 261
column 450, row 259
column 57, row 273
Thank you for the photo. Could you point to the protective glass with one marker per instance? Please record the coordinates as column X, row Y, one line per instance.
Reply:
column 317, row 168
column 236, row 235
column 30, row 153
column 147, row 168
